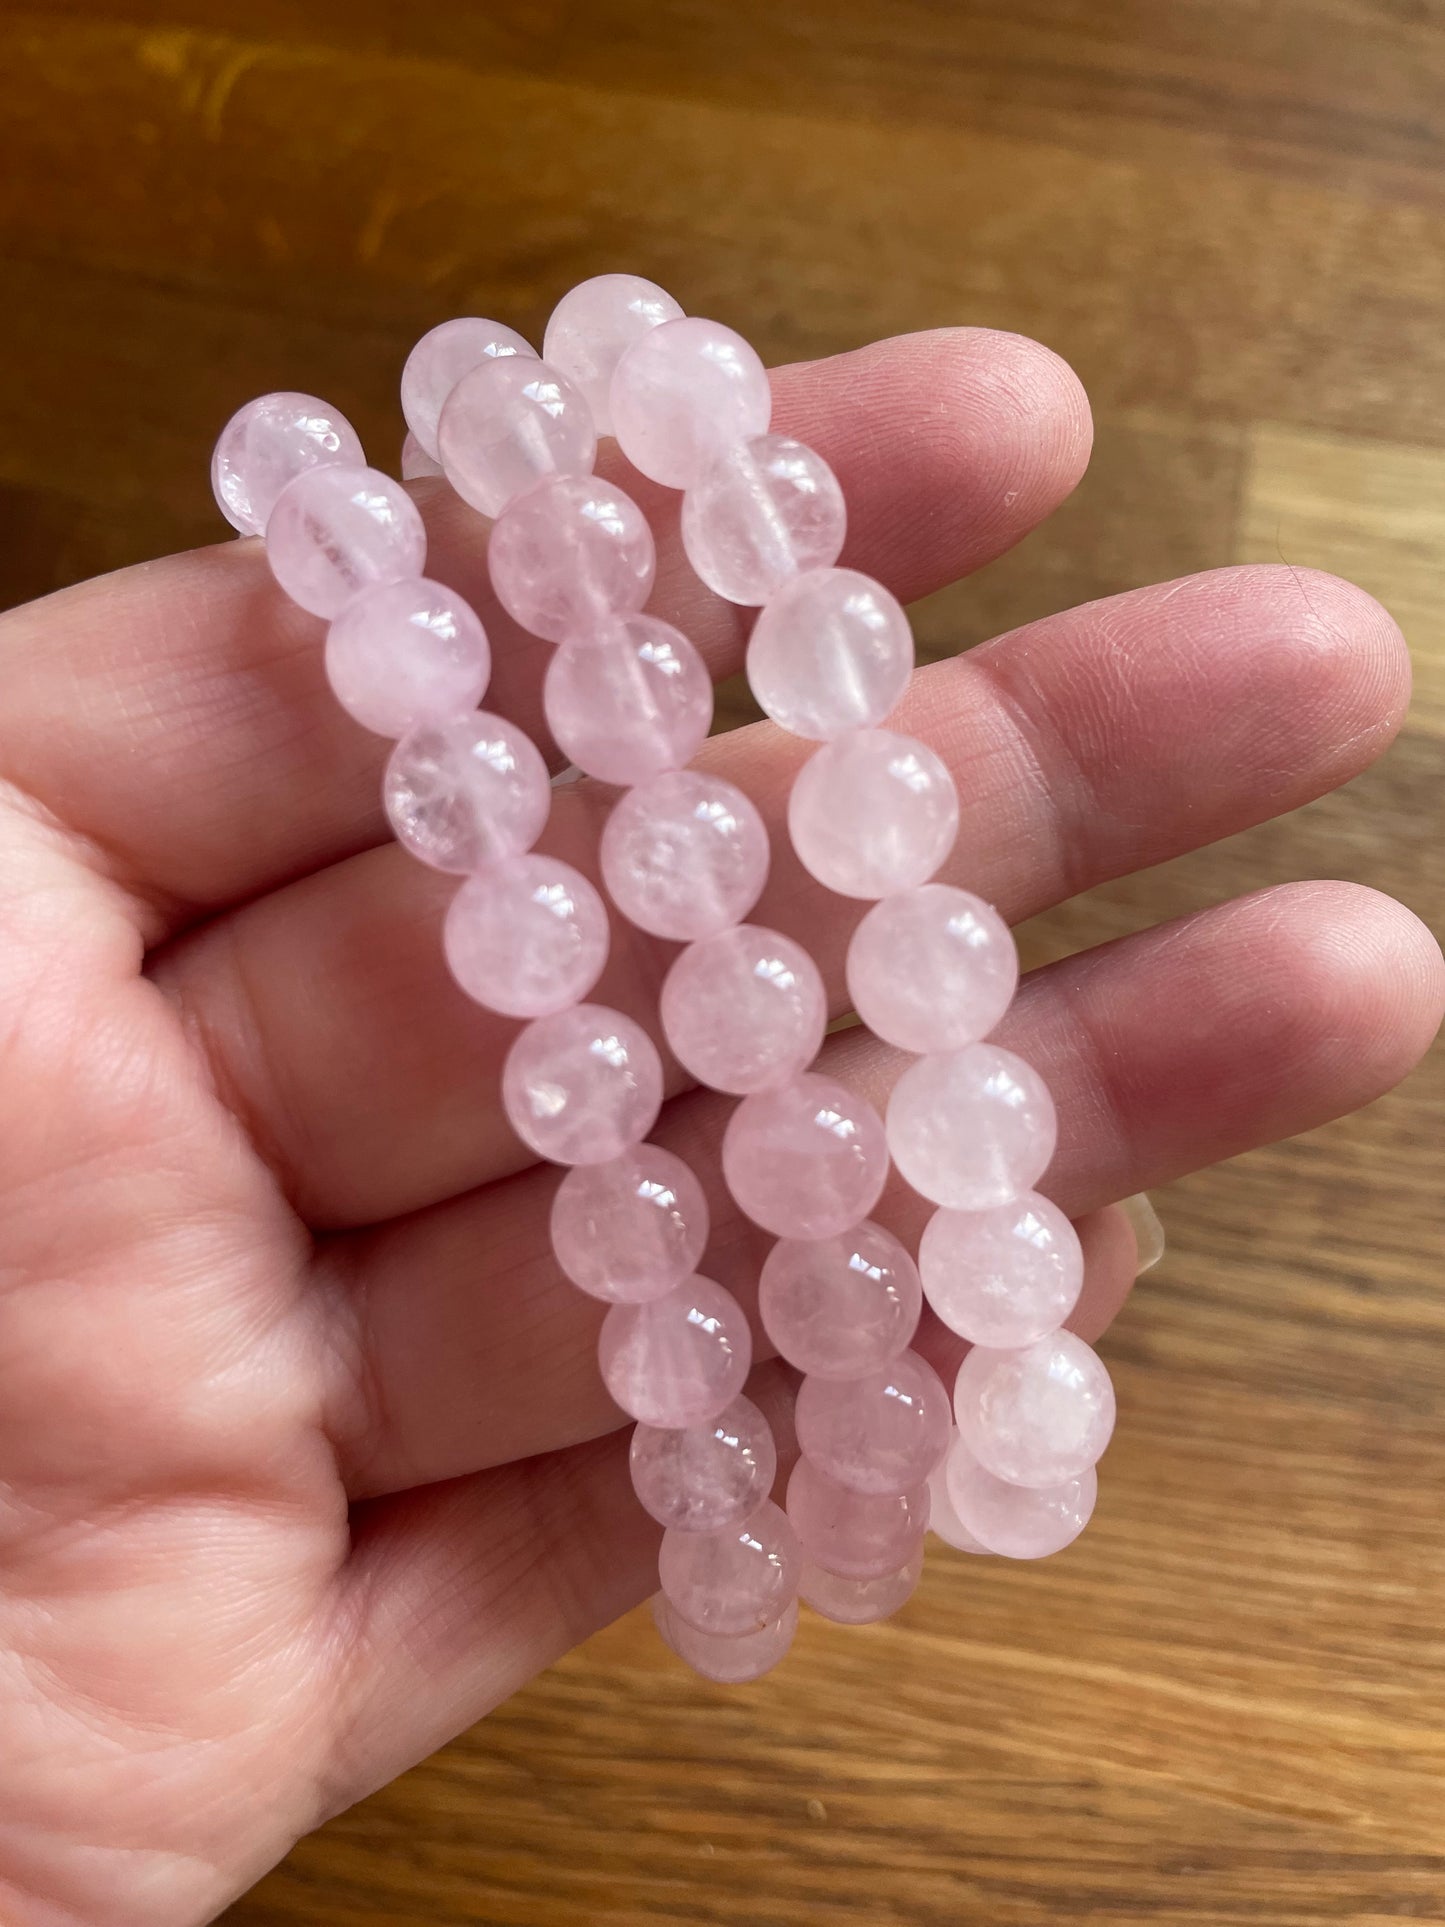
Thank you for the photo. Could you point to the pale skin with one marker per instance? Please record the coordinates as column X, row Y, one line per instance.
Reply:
column 304, row 1464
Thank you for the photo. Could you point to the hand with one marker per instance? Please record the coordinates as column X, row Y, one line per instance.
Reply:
column 305, row 1460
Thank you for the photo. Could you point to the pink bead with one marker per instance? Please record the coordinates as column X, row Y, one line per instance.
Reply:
column 570, row 552
column 730, row 1662
column 1005, row 1276
column 630, row 1229
column 267, row 444
column 872, row 813
column 806, row 1160
column 735, row 1581
column 685, row 855
column 404, row 653
column 508, row 425
column 581, row 1086
column 858, row 1535
column 843, row 1306
column 416, row 464
column 761, row 512
column 684, row 390
column 1038, row 1416
column 1018, row 1522
column 831, row 652
column 971, row 1128
column 526, row 936
column 594, row 323
column 439, row 360
column 932, row 969
column 628, row 698
column 943, row 1522
column 744, row 1010
column 461, row 794
column 677, row 1360
column 880, row 1434
column 338, row 530
column 704, row 1478
column 860, row 1602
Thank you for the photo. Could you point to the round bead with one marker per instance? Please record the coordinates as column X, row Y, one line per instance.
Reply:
column 677, row 1360
column 581, row 1086
column 932, row 969
column 807, row 1160
column 1005, row 1276
column 1038, row 1416
column 883, row 1433
column 526, row 936
column 735, row 1581
column 267, row 444
column 439, row 360
column 632, row 1228
column 628, row 698
column 704, row 1478
column 731, row 1662
column 684, row 390
column 843, row 1306
column 570, row 551
column 943, row 1522
column 744, row 1010
column 461, row 794
column 872, row 813
column 507, row 425
column 403, row 653
column 1018, row 1522
column 858, row 1535
column 338, row 530
column 415, row 462
column 860, row 1602
column 759, row 513
column 685, row 855
column 971, row 1128
column 831, row 652
column 594, row 323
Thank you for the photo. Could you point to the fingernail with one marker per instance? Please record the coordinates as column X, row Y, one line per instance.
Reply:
column 1148, row 1232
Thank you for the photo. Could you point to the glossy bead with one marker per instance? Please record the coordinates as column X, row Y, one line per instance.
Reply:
column 594, row 323
column 684, row 390
column 761, row 512
column 730, row 1662
column 744, row 1010
column 628, row 698
column 1018, row 1522
column 685, row 855
column 569, row 552
column 1005, row 1276
column 676, row 1360
column 439, row 360
column 735, row 1581
column 416, row 464
column 806, row 1160
column 1038, row 1416
column 581, row 1086
column 338, row 530
column 872, row 813
column 943, row 1522
column 704, row 1478
column 267, row 444
column 932, row 969
column 859, row 1602
column 508, row 425
column 971, row 1128
column 842, row 1306
column 831, row 652
column 858, row 1535
column 883, row 1433
column 460, row 795
column 403, row 653
column 526, row 936
column 629, row 1230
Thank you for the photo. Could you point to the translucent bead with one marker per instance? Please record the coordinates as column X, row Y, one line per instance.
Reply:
column 594, row 323
column 932, row 969
column 403, row 653
column 704, row 1478
column 684, row 390
column 628, row 698
column 581, row 1086
column 831, row 652
column 629, row 1230
column 415, row 462
column 685, row 855
column 1038, row 1416
column 730, row 1662
column 677, row 1360
column 460, row 795
column 735, row 1581
column 1005, row 1276
column 971, row 1128
column 807, row 1160
column 569, row 552
column 744, row 1010
column 872, row 813
column 943, row 1522
column 1018, row 1522
column 883, row 1433
column 759, row 513
column 526, row 936
column 509, row 424
column 338, row 530
column 267, row 444
column 858, row 1535
column 843, row 1306
column 439, row 360
column 860, row 1602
